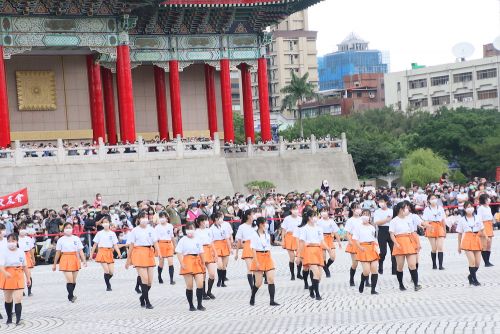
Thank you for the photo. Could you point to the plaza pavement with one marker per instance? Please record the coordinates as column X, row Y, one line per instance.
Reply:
column 446, row 304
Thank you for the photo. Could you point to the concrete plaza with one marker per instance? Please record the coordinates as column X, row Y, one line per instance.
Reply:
column 446, row 304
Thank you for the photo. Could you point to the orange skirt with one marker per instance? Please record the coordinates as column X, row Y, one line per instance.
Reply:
column 247, row 251
column 208, row 254
column 221, row 248
column 29, row 260
column 351, row 248
column 435, row 230
column 166, row 248
column 16, row 280
column 105, row 255
column 329, row 241
column 192, row 265
column 143, row 257
column 313, row 255
column 407, row 245
column 488, row 228
column 265, row 261
column 471, row 242
column 290, row 242
column 369, row 254
column 69, row 262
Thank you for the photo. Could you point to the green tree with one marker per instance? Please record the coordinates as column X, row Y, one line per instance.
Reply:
column 239, row 128
column 422, row 166
column 297, row 92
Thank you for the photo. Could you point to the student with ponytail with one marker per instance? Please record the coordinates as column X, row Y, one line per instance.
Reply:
column 470, row 230
column 204, row 235
column 289, row 229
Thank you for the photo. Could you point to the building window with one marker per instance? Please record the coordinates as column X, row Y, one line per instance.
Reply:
column 420, row 83
column 359, row 94
column 462, row 77
column 464, row 97
column 399, row 86
column 438, row 81
column 487, row 94
column 487, row 74
column 441, row 100
column 291, row 59
column 418, row 103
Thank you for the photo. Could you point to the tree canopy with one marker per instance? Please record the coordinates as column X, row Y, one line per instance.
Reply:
column 422, row 167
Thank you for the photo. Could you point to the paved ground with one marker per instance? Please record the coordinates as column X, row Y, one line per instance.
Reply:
column 446, row 304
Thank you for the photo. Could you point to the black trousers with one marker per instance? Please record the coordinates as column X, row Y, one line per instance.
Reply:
column 384, row 239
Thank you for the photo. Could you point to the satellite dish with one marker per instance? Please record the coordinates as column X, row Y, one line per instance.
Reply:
column 496, row 43
column 463, row 50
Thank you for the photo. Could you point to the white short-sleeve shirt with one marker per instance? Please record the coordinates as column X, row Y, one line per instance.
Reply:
column 401, row 225
column 434, row 215
column 291, row 224
column 382, row 214
column 187, row 246
column 26, row 243
column 352, row 223
column 261, row 242
column 474, row 224
column 205, row 236
column 164, row 232
column 484, row 213
column 219, row 233
column 13, row 258
column 228, row 228
column 105, row 239
column 364, row 233
column 142, row 236
column 245, row 232
column 328, row 226
column 67, row 244
column 311, row 234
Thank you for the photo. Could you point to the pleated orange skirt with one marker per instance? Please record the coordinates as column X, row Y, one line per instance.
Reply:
column 471, row 242
column 313, row 255
column 69, row 261
column 290, row 242
column 208, row 254
column 105, row 255
column 407, row 245
column 222, row 248
column 143, row 257
column 488, row 228
column 192, row 265
column 29, row 260
column 16, row 280
column 329, row 241
column 166, row 248
column 435, row 230
column 369, row 254
column 351, row 248
column 264, row 260
column 247, row 251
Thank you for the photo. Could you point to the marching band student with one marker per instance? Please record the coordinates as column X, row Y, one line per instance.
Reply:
column 485, row 215
column 470, row 229
column 107, row 241
column 351, row 224
column 69, row 254
column 381, row 218
column 204, row 234
column 13, row 268
column 244, row 236
column 229, row 231
column 3, row 244
column 330, row 231
column 190, row 254
column 166, row 242
column 435, row 229
column 406, row 243
column 290, row 243
column 262, row 261
column 27, row 245
column 368, row 251
column 222, row 243
column 311, row 243
column 417, row 222
column 143, row 243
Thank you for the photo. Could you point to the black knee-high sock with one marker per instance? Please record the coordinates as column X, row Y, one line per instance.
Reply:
column 352, row 272
column 362, row 283
column 299, row 268
column 224, row 275
column 145, row 292
column 189, row 297
column 199, row 297
column 68, row 288
column 18, row 309
column 30, row 287
column 8, row 310
column 160, row 270
column 329, row 263
column 171, row 273
column 474, row 277
column 414, row 276
column 250, row 280
column 219, row 276
column 483, row 255
column 73, row 287
column 305, row 276
column 254, row 292
column 433, row 257
column 417, row 265
column 440, row 258
column 210, row 285
column 374, row 278
column 106, row 279
column 138, row 282
column 315, row 284
column 272, row 290
column 291, row 265
column 399, row 275
column 488, row 253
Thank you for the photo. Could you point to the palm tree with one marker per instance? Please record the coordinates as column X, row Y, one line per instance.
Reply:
column 298, row 91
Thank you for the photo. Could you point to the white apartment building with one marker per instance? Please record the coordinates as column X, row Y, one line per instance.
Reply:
column 471, row 84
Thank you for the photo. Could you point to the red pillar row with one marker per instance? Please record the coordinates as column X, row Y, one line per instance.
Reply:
column 4, row 106
column 109, row 105
column 246, row 82
column 265, row 117
column 125, row 94
column 211, row 100
column 175, row 97
column 161, row 102
column 227, row 106
column 95, row 98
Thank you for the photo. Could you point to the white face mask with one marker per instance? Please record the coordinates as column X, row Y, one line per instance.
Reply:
column 382, row 205
column 68, row 231
column 406, row 211
column 105, row 225
column 266, row 226
column 365, row 219
column 23, row 232
column 469, row 210
column 433, row 201
column 190, row 233
column 357, row 212
column 295, row 212
column 207, row 224
column 163, row 220
column 12, row 245
column 324, row 214
column 143, row 222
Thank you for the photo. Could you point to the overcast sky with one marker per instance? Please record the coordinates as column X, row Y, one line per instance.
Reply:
column 422, row 31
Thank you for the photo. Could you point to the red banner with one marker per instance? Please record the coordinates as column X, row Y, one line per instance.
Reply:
column 14, row 200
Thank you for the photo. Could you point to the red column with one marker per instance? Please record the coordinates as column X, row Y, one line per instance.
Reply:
column 95, row 98
column 4, row 106
column 175, row 97
column 265, row 117
column 246, row 82
column 109, row 105
column 125, row 94
column 161, row 102
column 227, row 106
column 211, row 105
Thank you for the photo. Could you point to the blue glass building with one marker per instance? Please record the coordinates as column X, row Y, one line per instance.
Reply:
column 353, row 57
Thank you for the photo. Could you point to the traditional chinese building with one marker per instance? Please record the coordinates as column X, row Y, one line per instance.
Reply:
column 116, row 69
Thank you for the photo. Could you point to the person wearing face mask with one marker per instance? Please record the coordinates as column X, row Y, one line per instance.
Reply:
column 222, row 243
column 485, row 215
column 381, row 218
column 462, row 197
column 435, row 229
column 13, row 269
column 243, row 238
column 470, row 229
column 311, row 242
column 204, row 234
column 166, row 242
column 262, row 261
column 69, row 254
column 106, row 241
column 143, row 243
column 368, row 251
column 27, row 245
column 97, row 201
column 190, row 254
column 330, row 231
column 406, row 243
column 289, row 229
column 351, row 224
